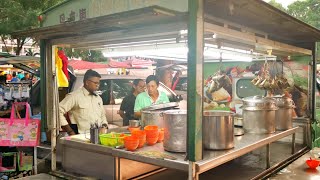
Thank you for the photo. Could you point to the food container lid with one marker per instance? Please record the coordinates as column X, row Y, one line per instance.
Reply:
column 217, row 113
column 284, row 102
column 252, row 108
column 259, row 102
column 173, row 112
column 161, row 106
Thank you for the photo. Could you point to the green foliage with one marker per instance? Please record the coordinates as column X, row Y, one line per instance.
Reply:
column 18, row 15
column 307, row 11
column 277, row 5
column 87, row 55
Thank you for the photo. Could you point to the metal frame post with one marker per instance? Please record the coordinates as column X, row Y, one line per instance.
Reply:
column 195, row 84
column 195, row 80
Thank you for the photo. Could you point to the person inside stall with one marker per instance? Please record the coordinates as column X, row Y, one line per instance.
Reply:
column 176, row 79
column 127, row 106
column 26, row 77
column 83, row 106
column 151, row 97
column 14, row 77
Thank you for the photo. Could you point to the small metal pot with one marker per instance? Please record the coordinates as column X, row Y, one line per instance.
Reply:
column 175, row 130
column 218, row 130
column 134, row 123
column 152, row 118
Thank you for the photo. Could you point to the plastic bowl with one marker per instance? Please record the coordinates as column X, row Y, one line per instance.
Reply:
column 161, row 135
column 152, row 141
column 131, row 129
column 141, row 135
column 312, row 163
column 131, row 143
column 151, row 131
column 112, row 139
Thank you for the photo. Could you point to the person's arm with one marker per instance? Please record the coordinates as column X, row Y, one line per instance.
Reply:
column 65, row 106
column 137, row 107
column 103, row 115
column 123, row 107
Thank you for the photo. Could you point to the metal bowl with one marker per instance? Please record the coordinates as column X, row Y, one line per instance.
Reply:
column 134, row 123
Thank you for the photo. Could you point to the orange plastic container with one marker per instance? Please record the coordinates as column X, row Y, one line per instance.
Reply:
column 312, row 163
column 152, row 141
column 161, row 135
column 131, row 129
column 141, row 135
column 131, row 143
column 151, row 131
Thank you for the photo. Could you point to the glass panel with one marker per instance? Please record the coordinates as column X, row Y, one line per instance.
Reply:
column 245, row 88
column 121, row 88
column 105, row 91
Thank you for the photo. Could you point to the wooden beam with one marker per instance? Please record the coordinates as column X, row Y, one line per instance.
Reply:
column 262, row 42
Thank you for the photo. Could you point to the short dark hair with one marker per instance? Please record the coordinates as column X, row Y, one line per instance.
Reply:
column 89, row 74
column 14, row 74
column 136, row 81
column 152, row 78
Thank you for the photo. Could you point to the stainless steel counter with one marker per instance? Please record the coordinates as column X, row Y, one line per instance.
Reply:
column 179, row 163
column 298, row 170
column 211, row 159
column 243, row 144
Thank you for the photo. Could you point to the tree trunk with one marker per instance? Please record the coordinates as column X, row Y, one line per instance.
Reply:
column 4, row 42
column 20, row 43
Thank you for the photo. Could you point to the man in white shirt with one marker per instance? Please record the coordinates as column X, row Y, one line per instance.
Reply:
column 83, row 106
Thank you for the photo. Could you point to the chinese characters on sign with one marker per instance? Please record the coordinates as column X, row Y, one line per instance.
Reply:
column 72, row 16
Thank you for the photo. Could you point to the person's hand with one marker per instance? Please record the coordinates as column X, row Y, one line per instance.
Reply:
column 105, row 126
column 71, row 133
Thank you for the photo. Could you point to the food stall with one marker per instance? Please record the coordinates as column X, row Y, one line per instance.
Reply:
column 214, row 28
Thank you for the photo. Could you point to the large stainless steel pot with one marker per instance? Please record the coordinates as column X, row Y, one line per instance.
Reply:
column 259, row 115
column 218, row 130
column 152, row 118
column 175, row 130
column 284, row 114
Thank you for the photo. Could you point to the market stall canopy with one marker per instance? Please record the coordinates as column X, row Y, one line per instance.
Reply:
column 80, row 64
column 250, row 22
column 30, row 64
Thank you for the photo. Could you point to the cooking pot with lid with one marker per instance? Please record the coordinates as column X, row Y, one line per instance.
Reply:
column 259, row 114
column 284, row 114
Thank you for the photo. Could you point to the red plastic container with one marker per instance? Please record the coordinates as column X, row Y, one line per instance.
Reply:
column 312, row 163
column 141, row 135
column 131, row 143
column 161, row 135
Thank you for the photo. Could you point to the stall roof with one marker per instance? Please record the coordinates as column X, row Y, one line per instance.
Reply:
column 254, row 14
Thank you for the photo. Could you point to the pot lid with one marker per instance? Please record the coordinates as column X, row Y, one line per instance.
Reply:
column 217, row 113
column 258, row 99
column 175, row 112
column 284, row 101
column 161, row 106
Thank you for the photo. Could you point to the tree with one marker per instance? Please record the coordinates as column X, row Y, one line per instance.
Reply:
column 18, row 15
column 277, row 5
column 87, row 55
column 307, row 11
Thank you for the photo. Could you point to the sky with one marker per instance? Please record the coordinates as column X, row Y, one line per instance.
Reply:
column 284, row 3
